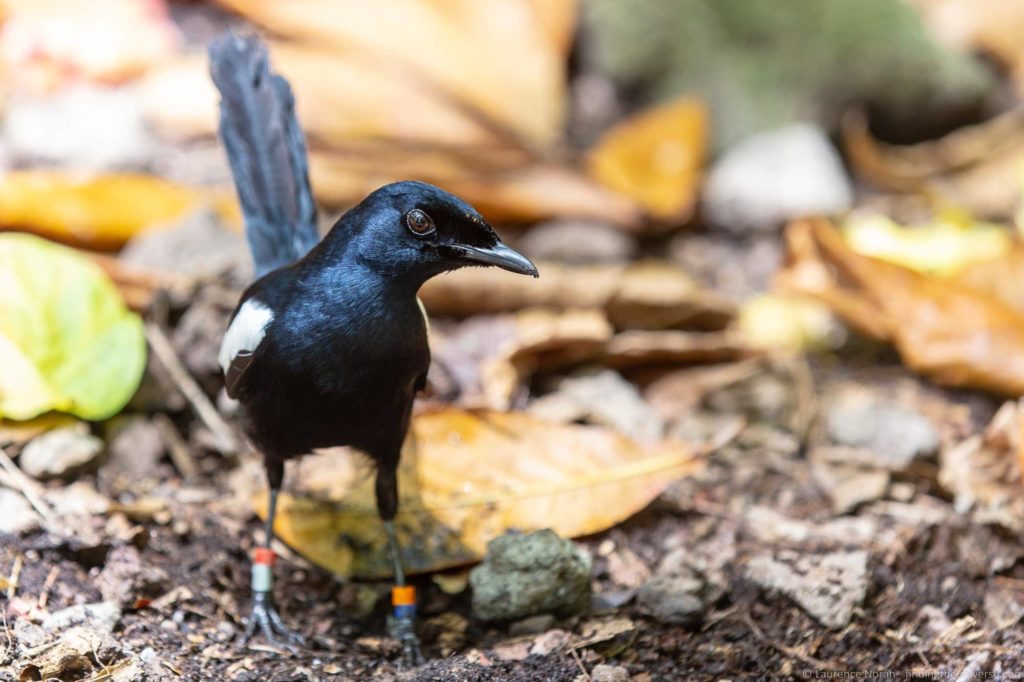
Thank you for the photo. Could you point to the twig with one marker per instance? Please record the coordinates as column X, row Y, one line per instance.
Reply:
column 12, row 582
column 792, row 652
column 579, row 664
column 207, row 413
column 27, row 487
column 178, row 450
column 51, row 578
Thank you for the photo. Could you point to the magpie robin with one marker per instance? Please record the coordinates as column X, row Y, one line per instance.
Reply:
column 329, row 346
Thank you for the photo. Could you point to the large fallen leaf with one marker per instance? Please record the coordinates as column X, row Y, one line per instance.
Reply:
column 467, row 477
column 502, row 60
column 97, row 211
column 977, row 168
column 642, row 295
column 952, row 333
column 67, row 341
column 656, row 157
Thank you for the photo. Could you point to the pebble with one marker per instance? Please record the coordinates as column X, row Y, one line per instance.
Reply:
column 101, row 615
column 893, row 434
column 61, row 453
column 135, row 445
column 828, row 586
column 527, row 575
column 767, row 179
column 532, row 625
column 678, row 592
column 577, row 241
column 603, row 672
column 16, row 514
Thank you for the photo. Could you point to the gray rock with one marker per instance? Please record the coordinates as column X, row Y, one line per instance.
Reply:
column 16, row 514
column 84, row 127
column 602, row 397
column 768, row 525
column 577, row 241
column 135, row 445
column 532, row 626
column 526, row 575
column 678, row 592
column 200, row 246
column 895, row 435
column 768, row 179
column 100, row 615
column 124, row 577
column 61, row 453
column 603, row 672
column 828, row 587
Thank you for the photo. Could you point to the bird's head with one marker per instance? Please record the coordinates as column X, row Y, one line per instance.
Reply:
column 418, row 230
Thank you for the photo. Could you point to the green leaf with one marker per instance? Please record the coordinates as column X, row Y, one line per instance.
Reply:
column 67, row 340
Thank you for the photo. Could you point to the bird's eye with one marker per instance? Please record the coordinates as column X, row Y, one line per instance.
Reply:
column 419, row 222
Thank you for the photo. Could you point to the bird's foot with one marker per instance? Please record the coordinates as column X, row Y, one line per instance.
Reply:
column 403, row 628
column 266, row 618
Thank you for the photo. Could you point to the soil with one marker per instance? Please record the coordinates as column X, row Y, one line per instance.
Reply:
column 749, row 633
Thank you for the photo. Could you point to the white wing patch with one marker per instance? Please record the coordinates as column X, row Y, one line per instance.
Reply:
column 245, row 331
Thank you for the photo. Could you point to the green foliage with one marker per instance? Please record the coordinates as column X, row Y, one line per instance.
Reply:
column 67, row 341
column 764, row 63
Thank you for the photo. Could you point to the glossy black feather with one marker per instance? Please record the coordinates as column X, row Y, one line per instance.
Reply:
column 266, row 150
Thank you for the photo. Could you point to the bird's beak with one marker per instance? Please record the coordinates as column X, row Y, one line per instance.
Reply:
column 501, row 256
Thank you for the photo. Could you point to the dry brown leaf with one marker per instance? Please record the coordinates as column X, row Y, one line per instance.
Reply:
column 466, row 477
column 977, row 168
column 984, row 472
column 523, row 192
column 990, row 26
column 97, row 211
column 542, row 340
column 656, row 157
column 668, row 347
column 646, row 295
column 951, row 333
column 504, row 59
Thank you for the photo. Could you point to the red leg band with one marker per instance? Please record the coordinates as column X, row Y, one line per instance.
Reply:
column 263, row 556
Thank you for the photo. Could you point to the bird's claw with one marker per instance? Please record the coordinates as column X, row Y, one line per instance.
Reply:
column 403, row 629
column 266, row 618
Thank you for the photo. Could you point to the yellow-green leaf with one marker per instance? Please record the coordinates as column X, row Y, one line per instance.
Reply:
column 67, row 341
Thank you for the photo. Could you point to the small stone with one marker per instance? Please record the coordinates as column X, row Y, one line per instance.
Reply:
column 847, row 485
column 1004, row 607
column 532, row 625
column 678, row 592
column 601, row 397
column 135, row 446
column 895, row 435
column 102, row 615
column 770, row 178
column 16, row 514
column 577, row 241
column 769, row 526
column 550, row 641
column 603, row 672
column 124, row 579
column 199, row 246
column 61, row 453
column 526, row 575
column 828, row 587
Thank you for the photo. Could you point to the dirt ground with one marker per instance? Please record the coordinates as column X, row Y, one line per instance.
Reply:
column 935, row 583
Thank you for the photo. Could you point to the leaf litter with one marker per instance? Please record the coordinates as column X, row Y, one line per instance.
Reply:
column 628, row 396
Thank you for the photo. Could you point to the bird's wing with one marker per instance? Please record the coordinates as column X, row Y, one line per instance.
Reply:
column 267, row 152
column 243, row 337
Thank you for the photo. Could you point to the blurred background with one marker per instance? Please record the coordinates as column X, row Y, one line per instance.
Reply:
column 767, row 380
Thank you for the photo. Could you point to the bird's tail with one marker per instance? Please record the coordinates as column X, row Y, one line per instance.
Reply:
column 267, row 152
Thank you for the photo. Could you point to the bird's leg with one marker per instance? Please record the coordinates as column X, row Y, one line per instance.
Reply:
column 403, row 602
column 264, row 615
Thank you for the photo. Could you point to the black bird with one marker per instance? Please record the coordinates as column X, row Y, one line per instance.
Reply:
column 328, row 346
